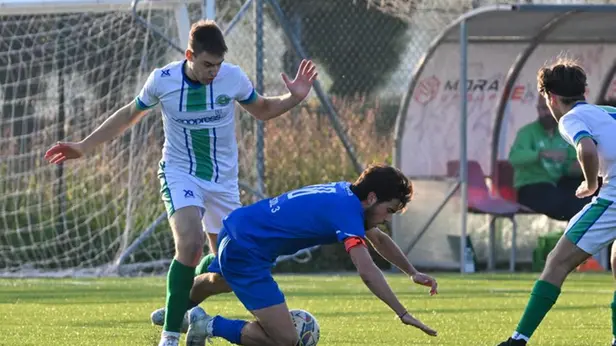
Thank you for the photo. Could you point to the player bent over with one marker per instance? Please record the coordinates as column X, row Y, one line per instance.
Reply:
column 199, row 166
column 591, row 129
column 254, row 236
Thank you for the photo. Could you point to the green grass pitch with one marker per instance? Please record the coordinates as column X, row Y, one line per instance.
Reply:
column 476, row 309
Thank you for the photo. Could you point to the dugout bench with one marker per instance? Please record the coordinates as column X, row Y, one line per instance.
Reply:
column 500, row 201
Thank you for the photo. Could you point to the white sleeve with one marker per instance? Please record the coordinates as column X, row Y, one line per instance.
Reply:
column 572, row 128
column 245, row 91
column 148, row 96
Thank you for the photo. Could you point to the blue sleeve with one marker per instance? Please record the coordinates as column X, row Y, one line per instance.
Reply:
column 250, row 99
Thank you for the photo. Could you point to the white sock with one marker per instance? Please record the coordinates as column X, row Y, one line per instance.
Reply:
column 172, row 334
column 209, row 328
column 613, row 341
column 518, row 336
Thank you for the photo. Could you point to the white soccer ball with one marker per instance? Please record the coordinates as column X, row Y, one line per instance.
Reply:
column 307, row 327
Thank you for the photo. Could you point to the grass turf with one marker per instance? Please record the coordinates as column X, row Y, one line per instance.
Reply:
column 475, row 309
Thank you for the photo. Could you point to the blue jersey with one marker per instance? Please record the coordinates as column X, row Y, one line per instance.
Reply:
column 312, row 215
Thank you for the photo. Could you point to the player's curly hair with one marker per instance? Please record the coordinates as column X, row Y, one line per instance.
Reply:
column 206, row 36
column 565, row 79
column 386, row 182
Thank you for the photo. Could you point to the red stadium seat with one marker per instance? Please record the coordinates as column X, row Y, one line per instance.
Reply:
column 504, row 185
column 481, row 201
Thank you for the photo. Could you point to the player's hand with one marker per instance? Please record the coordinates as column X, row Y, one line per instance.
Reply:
column 301, row 85
column 63, row 151
column 426, row 280
column 586, row 190
column 412, row 321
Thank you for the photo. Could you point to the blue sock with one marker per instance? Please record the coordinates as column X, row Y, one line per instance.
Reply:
column 231, row 330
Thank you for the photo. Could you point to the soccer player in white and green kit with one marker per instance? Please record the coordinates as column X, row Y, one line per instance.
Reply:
column 198, row 171
column 592, row 130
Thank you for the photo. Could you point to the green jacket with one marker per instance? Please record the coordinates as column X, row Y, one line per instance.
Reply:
column 524, row 156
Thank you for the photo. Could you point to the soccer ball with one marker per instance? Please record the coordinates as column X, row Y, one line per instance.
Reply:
column 307, row 327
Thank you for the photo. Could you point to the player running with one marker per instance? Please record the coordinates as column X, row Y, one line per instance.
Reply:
column 254, row 236
column 591, row 130
column 198, row 171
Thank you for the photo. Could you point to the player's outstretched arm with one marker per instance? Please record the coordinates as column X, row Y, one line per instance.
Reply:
column 390, row 251
column 266, row 108
column 116, row 124
column 373, row 278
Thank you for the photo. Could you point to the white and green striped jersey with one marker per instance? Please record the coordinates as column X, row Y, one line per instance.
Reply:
column 598, row 123
column 198, row 120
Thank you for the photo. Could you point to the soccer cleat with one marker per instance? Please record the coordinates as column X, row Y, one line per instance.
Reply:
column 513, row 342
column 169, row 340
column 158, row 319
column 200, row 327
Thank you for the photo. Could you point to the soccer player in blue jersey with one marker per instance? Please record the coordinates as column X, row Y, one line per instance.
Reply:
column 198, row 170
column 253, row 237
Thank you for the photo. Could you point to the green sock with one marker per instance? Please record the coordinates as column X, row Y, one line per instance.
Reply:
column 201, row 269
column 205, row 262
column 614, row 316
column 543, row 296
column 179, row 282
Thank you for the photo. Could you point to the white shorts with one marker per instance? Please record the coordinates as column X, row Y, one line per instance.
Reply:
column 593, row 227
column 179, row 190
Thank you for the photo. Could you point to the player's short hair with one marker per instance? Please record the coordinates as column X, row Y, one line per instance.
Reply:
column 386, row 182
column 565, row 79
column 206, row 36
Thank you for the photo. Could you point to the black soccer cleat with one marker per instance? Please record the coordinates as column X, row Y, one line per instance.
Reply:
column 512, row 342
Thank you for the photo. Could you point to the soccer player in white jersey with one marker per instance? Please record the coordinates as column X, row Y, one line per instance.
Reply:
column 591, row 129
column 198, row 171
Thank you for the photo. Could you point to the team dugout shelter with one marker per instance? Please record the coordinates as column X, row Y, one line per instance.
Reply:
column 469, row 94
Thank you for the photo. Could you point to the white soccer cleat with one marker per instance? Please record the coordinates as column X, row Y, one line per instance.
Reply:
column 200, row 327
column 169, row 340
column 158, row 319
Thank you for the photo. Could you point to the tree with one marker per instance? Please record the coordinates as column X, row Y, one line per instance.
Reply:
column 358, row 45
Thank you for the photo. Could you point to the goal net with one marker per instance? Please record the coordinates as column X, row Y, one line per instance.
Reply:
column 63, row 71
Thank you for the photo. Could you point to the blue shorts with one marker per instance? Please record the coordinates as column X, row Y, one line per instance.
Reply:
column 249, row 276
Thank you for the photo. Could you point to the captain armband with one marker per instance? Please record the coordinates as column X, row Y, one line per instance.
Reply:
column 352, row 242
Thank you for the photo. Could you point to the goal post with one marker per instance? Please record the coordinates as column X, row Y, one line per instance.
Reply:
column 34, row 7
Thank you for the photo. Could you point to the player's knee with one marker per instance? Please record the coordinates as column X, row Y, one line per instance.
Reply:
column 558, row 265
column 220, row 284
column 189, row 248
column 553, row 265
column 191, row 245
column 553, row 262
